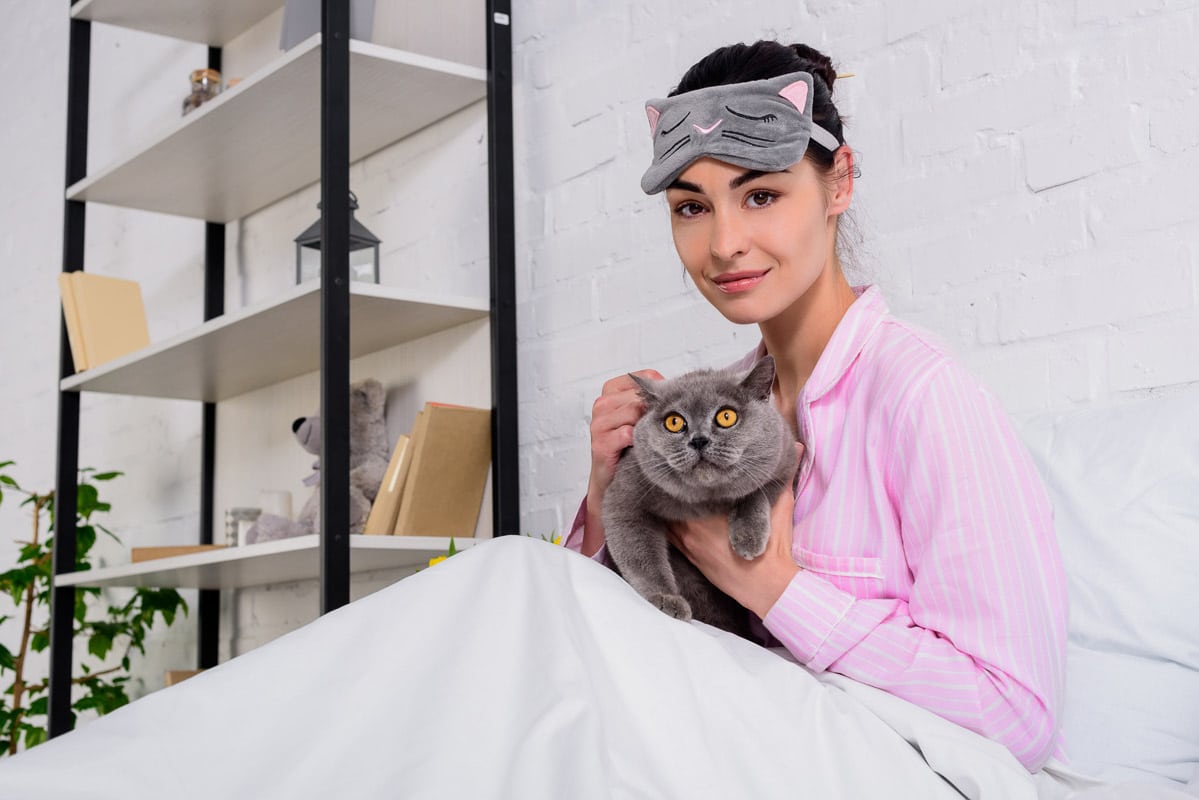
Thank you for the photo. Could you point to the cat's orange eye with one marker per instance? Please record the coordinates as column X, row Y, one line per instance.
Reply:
column 726, row 417
column 674, row 423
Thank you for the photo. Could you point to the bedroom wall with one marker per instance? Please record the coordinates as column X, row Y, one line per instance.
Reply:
column 1028, row 174
column 1026, row 193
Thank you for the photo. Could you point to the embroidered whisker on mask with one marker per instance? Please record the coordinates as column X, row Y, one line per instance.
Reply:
column 764, row 125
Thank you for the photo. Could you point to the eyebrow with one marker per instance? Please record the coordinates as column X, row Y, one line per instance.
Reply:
column 746, row 177
column 735, row 183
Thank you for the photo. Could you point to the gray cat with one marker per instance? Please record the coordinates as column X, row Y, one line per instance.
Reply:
column 709, row 442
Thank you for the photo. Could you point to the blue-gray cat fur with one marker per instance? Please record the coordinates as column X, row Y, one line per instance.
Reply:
column 666, row 477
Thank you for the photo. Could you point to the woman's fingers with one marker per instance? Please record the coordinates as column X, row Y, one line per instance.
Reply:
column 613, row 415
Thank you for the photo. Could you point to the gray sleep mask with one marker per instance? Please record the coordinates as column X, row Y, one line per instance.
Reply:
column 764, row 125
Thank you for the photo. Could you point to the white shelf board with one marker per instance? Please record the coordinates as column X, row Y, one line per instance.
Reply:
column 260, row 141
column 211, row 22
column 280, row 561
column 263, row 345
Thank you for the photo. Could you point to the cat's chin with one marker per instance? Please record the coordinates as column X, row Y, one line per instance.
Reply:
column 708, row 474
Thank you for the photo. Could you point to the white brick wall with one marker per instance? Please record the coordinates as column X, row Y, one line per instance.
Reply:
column 1027, row 193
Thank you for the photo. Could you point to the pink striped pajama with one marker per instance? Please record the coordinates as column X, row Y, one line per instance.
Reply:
column 930, row 566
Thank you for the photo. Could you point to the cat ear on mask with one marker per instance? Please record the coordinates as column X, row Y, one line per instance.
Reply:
column 648, row 390
column 760, row 379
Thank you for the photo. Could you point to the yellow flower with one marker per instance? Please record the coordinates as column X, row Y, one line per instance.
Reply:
column 437, row 560
column 557, row 539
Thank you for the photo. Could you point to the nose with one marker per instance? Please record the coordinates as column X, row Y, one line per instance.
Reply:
column 698, row 442
column 729, row 238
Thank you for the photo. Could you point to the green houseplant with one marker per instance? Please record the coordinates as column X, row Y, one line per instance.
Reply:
column 107, row 629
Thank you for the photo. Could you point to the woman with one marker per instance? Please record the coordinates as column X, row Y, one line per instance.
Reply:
column 918, row 553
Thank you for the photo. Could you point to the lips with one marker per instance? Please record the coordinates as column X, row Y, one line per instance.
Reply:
column 737, row 282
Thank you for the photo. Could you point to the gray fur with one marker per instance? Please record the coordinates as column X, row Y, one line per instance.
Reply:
column 664, row 477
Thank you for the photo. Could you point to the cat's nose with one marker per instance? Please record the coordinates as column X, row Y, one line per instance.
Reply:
column 698, row 442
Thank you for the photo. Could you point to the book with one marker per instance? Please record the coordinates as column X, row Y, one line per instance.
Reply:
column 70, row 315
column 382, row 518
column 110, row 316
column 451, row 454
column 139, row 554
column 174, row 676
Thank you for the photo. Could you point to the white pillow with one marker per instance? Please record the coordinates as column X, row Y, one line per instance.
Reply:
column 1124, row 481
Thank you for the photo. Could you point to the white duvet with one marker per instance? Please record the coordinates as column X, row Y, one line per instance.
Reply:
column 517, row 669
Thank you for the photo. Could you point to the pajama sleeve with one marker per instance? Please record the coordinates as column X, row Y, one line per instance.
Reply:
column 980, row 640
column 574, row 539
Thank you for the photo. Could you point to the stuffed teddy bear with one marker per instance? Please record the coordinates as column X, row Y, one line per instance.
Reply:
column 369, row 455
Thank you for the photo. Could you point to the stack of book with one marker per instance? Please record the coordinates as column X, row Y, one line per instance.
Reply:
column 105, row 317
column 435, row 481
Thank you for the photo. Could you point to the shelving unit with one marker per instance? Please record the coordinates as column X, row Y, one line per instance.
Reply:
column 253, row 143
column 211, row 22
column 271, row 342
column 282, row 128
column 265, row 563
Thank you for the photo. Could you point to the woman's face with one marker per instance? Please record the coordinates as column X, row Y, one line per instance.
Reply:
column 754, row 242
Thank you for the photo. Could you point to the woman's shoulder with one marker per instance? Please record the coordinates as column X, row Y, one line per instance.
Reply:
column 903, row 362
column 902, row 354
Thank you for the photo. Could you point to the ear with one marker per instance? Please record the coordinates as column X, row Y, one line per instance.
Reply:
column 374, row 393
column 844, row 167
column 648, row 390
column 760, row 379
column 797, row 95
column 653, row 115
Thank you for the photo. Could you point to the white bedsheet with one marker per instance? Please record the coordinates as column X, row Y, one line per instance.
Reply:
column 520, row 670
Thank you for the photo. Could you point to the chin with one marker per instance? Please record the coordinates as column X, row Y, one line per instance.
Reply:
column 707, row 473
column 742, row 311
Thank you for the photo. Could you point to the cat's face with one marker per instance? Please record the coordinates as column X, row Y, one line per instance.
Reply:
column 709, row 435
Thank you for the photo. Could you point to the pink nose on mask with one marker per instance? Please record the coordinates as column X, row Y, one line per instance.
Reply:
column 709, row 129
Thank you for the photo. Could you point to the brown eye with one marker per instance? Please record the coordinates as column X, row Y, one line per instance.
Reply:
column 726, row 417
column 674, row 423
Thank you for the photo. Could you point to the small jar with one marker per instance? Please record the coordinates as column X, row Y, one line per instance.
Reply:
column 206, row 84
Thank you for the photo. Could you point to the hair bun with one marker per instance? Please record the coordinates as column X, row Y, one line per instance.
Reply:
column 816, row 63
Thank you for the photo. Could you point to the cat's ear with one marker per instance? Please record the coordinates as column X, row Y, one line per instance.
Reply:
column 648, row 390
column 760, row 379
column 653, row 115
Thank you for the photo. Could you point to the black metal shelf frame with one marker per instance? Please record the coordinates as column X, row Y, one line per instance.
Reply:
column 335, row 333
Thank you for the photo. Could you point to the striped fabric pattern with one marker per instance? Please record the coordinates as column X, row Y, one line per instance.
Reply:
column 930, row 568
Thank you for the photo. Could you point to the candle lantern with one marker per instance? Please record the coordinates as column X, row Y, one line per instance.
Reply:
column 364, row 250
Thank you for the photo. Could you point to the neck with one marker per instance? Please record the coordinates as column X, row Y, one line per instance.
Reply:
column 798, row 336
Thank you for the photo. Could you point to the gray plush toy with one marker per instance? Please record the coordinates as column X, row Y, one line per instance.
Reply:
column 369, row 454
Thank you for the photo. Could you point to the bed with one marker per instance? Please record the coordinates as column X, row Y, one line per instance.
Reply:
column 520, row 670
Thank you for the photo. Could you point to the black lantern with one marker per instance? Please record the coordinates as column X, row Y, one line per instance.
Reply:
column 364, row 250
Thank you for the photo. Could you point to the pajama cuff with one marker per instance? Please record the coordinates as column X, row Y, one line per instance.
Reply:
column 809, row 619
column 574, row 539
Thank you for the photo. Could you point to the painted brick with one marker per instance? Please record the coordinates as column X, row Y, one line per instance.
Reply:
column 981, row 45
column 640, row 286
column 954, row 118
column 996, row 238
column 1174, row 124
column 1121, row 286
column 1159, row 353
column 1061, row 151
column 566, row 306
column 1155, row 197
column 905, row 19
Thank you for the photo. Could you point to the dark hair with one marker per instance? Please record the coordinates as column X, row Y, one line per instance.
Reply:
column 738, row 63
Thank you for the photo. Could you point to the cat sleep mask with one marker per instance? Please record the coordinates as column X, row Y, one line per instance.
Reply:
column 764, row 125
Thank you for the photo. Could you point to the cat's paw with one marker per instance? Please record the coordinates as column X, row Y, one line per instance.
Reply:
column 673, row 604
column 748, row 544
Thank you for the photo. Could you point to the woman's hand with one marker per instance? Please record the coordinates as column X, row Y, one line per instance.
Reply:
column 613, row 416
column 755, row 584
